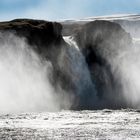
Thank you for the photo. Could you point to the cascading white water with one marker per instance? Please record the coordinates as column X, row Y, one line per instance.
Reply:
column 24, row 84
column 130, row 75
column 78, row 69
column 126, row 69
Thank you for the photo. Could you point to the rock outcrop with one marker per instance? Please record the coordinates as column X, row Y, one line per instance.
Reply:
column 102, row 43
column 38, row 33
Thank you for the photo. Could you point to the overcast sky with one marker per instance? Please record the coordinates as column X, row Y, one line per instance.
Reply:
column 65, row 9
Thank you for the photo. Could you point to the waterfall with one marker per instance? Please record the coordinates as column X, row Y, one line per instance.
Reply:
column 24, row 84
column 78, row 69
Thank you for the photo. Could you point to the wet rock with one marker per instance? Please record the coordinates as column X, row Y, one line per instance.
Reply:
column 101, row 42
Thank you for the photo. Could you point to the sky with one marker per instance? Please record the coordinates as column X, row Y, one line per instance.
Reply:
column 65, row 9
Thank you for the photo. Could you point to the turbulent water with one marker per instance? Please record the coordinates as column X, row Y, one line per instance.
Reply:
column 98, row 124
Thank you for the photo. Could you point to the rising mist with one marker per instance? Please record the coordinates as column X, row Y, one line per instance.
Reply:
column 24, row 82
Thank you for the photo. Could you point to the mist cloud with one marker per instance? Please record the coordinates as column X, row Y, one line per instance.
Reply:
column 24, row 78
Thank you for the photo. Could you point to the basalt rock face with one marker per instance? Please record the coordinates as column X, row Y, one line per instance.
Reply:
column 102, row 42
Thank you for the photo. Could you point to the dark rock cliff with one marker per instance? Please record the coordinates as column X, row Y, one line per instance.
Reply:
column 38, row 33
column 102, row 43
